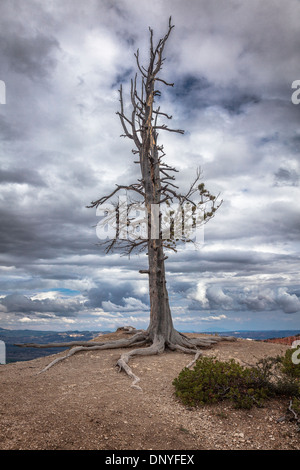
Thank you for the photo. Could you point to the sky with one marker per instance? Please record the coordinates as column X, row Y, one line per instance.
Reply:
column 233, row 64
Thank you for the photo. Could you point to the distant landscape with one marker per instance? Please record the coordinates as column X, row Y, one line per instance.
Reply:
column 15, row 353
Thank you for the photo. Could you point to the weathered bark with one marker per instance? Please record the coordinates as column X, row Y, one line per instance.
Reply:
column 161, row 324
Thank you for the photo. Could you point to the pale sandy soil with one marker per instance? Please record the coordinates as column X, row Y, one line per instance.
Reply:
column 84, row 403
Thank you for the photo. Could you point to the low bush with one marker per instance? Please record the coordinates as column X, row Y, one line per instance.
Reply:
column 212, row 380
column 288, row 366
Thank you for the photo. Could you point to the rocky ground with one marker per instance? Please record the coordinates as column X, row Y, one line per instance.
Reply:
column 84, row 403
column 289, row 340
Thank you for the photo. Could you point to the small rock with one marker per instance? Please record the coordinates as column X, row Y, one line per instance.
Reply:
column 239, row 434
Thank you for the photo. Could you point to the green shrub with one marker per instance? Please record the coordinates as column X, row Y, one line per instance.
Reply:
column 288, row 366
column 277, row 378
column 212, row 380
column 296, row 405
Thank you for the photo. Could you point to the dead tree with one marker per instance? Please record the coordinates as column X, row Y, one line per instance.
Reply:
column 155, row 187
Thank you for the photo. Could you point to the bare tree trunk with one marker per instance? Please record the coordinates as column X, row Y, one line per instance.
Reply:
column 161, row 325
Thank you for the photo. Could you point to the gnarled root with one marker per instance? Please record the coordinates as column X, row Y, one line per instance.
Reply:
column 157, row 347
column 195, row 351
column 77, row 349
column 180, row 343
column 139, row 334
column 177, row 342
column 137, row 339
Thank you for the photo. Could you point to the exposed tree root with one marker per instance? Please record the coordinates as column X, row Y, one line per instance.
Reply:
column 77, row 349
column 195, row 351
column 157, row 347
column 179, row 342
column 138, row 336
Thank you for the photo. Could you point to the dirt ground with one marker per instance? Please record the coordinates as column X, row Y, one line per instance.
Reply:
column 84, row 403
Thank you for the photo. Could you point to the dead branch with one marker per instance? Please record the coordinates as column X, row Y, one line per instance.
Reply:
column 132, row 187
column 166, row 128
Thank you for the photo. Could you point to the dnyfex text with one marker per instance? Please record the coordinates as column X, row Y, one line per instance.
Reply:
column 152, row 459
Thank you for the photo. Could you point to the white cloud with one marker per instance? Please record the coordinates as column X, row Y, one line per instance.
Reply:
column 214, row 318
column 216, row 296
column 131, row 304
column 289, row 303
column 199, row 294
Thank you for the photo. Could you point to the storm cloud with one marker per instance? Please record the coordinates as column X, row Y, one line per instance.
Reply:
column 233, row 64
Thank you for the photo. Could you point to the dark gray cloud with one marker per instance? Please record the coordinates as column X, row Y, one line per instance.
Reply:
column 114, row 293
column 21, row 176
column 8, row 131
column 29, row 56
column 195, row 93
column 286, row 177
column 21, row 304
column 233, row 65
